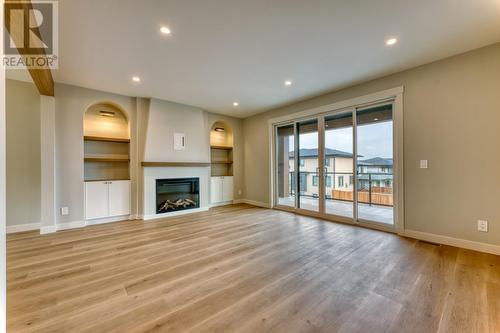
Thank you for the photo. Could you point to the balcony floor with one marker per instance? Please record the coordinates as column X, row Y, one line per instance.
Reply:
column 376, row 213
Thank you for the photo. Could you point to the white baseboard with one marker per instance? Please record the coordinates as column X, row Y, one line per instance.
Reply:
column 182, row 212
column 70, row 225
column 110, row 219
column 253, row 203
column 48, row 229
column 225, row 203
column 458, row 242
column 22, row 227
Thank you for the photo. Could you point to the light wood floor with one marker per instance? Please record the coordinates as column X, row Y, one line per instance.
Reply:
column 246, row 269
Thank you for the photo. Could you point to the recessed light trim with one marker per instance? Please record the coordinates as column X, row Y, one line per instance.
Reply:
column 136, row 79
column 165, row 30
column 391, row 41
column 288, row 83
column 219, row 129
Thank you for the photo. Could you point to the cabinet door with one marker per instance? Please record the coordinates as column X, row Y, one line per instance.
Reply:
column 227, row 188
column 119, row 198
column 215, row 189
column 96, row 200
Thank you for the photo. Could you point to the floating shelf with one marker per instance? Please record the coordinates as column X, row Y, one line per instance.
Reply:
column 103, row 139
column 105, row 159
column 104, row 180
column 222, row 147
column 174, row 164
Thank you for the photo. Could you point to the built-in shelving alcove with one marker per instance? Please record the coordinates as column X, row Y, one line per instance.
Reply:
column 106, row 143
column 221, row 149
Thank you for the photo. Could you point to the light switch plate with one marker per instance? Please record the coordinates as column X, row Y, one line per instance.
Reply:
column 482, row 225
column 424, row 164
column 179, row 141
column 64, row 210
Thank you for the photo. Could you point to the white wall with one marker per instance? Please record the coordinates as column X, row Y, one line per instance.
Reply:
column 167, row 118
column 23, row 153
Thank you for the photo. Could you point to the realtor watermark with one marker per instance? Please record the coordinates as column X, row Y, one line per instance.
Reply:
column 31, row 36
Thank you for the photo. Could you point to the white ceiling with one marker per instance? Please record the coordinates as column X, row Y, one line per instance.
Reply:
column 222, row 51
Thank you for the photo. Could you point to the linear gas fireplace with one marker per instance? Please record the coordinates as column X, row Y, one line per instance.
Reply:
column 177, row 194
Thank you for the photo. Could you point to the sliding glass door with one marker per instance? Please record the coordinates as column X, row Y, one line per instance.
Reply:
column 308, row 165
column 375, row 179
column 285, row 165
column 338, row 165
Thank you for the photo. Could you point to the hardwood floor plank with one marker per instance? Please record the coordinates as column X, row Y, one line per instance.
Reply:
column 245, row 269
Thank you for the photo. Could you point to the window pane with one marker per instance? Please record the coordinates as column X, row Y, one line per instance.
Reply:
column 339, row 149
column 285, row 165
column 308, row 153
column 375, row 161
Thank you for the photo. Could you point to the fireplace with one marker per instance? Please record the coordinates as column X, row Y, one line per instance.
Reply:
column 177, row 194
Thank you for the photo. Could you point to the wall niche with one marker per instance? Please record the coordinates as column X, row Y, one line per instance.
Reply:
column 106, row 143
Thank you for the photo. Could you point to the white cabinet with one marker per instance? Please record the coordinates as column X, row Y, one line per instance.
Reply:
column 227, row 188
column 221, row 189
column 216, row 189
column 96, row 200
column 119, row 198
column 107, row 199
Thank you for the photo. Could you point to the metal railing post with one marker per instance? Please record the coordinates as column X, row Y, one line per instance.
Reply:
column 370, row 188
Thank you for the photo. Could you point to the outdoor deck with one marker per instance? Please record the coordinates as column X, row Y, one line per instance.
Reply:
column 376, row 213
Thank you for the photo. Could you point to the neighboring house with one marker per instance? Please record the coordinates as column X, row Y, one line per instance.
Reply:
column 339, row 175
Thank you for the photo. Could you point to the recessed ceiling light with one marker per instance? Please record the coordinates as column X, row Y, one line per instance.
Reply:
column 236, row 104
column 165, row 31
column 391, row 41
column 136, row 79
column 288, row 83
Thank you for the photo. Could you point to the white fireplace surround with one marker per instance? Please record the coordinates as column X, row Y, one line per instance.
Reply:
column 151, row 174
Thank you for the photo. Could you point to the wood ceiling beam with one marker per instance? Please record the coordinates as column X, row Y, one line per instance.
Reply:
column 42, row 77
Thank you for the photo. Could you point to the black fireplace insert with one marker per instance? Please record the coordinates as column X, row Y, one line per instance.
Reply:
column 177, row 194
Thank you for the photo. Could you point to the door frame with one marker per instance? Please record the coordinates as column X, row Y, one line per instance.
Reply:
column 394, row 96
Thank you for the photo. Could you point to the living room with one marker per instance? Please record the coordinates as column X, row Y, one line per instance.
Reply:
column 249, row 166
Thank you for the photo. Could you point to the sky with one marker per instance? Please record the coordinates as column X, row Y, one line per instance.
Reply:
column 374, row 140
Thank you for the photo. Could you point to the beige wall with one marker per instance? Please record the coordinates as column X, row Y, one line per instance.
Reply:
column 71, row 104
column 23, row 153
column 452, row 118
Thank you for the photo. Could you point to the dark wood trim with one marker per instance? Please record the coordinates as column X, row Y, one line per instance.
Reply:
column 105, row 159
column 175, row 164
column 105, row 180
column 221, row 147
column 104, row 139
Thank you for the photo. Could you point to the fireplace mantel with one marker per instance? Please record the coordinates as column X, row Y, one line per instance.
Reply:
column 175, row 164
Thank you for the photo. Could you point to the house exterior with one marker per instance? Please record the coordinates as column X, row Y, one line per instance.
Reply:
column 376, row 172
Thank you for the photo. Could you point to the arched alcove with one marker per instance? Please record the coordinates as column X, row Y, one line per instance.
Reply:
column 106, row 143
column 221, row 149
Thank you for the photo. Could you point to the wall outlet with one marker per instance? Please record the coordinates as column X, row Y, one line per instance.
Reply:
column 424, row 164
column 240, row 192
column 64, row 210
column 482, row 225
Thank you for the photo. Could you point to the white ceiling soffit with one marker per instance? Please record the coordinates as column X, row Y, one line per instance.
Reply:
column 226, row 51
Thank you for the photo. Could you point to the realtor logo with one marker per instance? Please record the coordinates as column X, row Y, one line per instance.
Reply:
column 30, row 34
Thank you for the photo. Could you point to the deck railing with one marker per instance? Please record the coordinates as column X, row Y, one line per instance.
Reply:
column 374, row 188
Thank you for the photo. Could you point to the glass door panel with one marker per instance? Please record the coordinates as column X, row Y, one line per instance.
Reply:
column 339, row 165
column 308, row 165
column 285, row 162
column 375, row 164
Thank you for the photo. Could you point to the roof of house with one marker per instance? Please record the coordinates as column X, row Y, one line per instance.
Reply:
column 313, row 152
column 377, row 161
